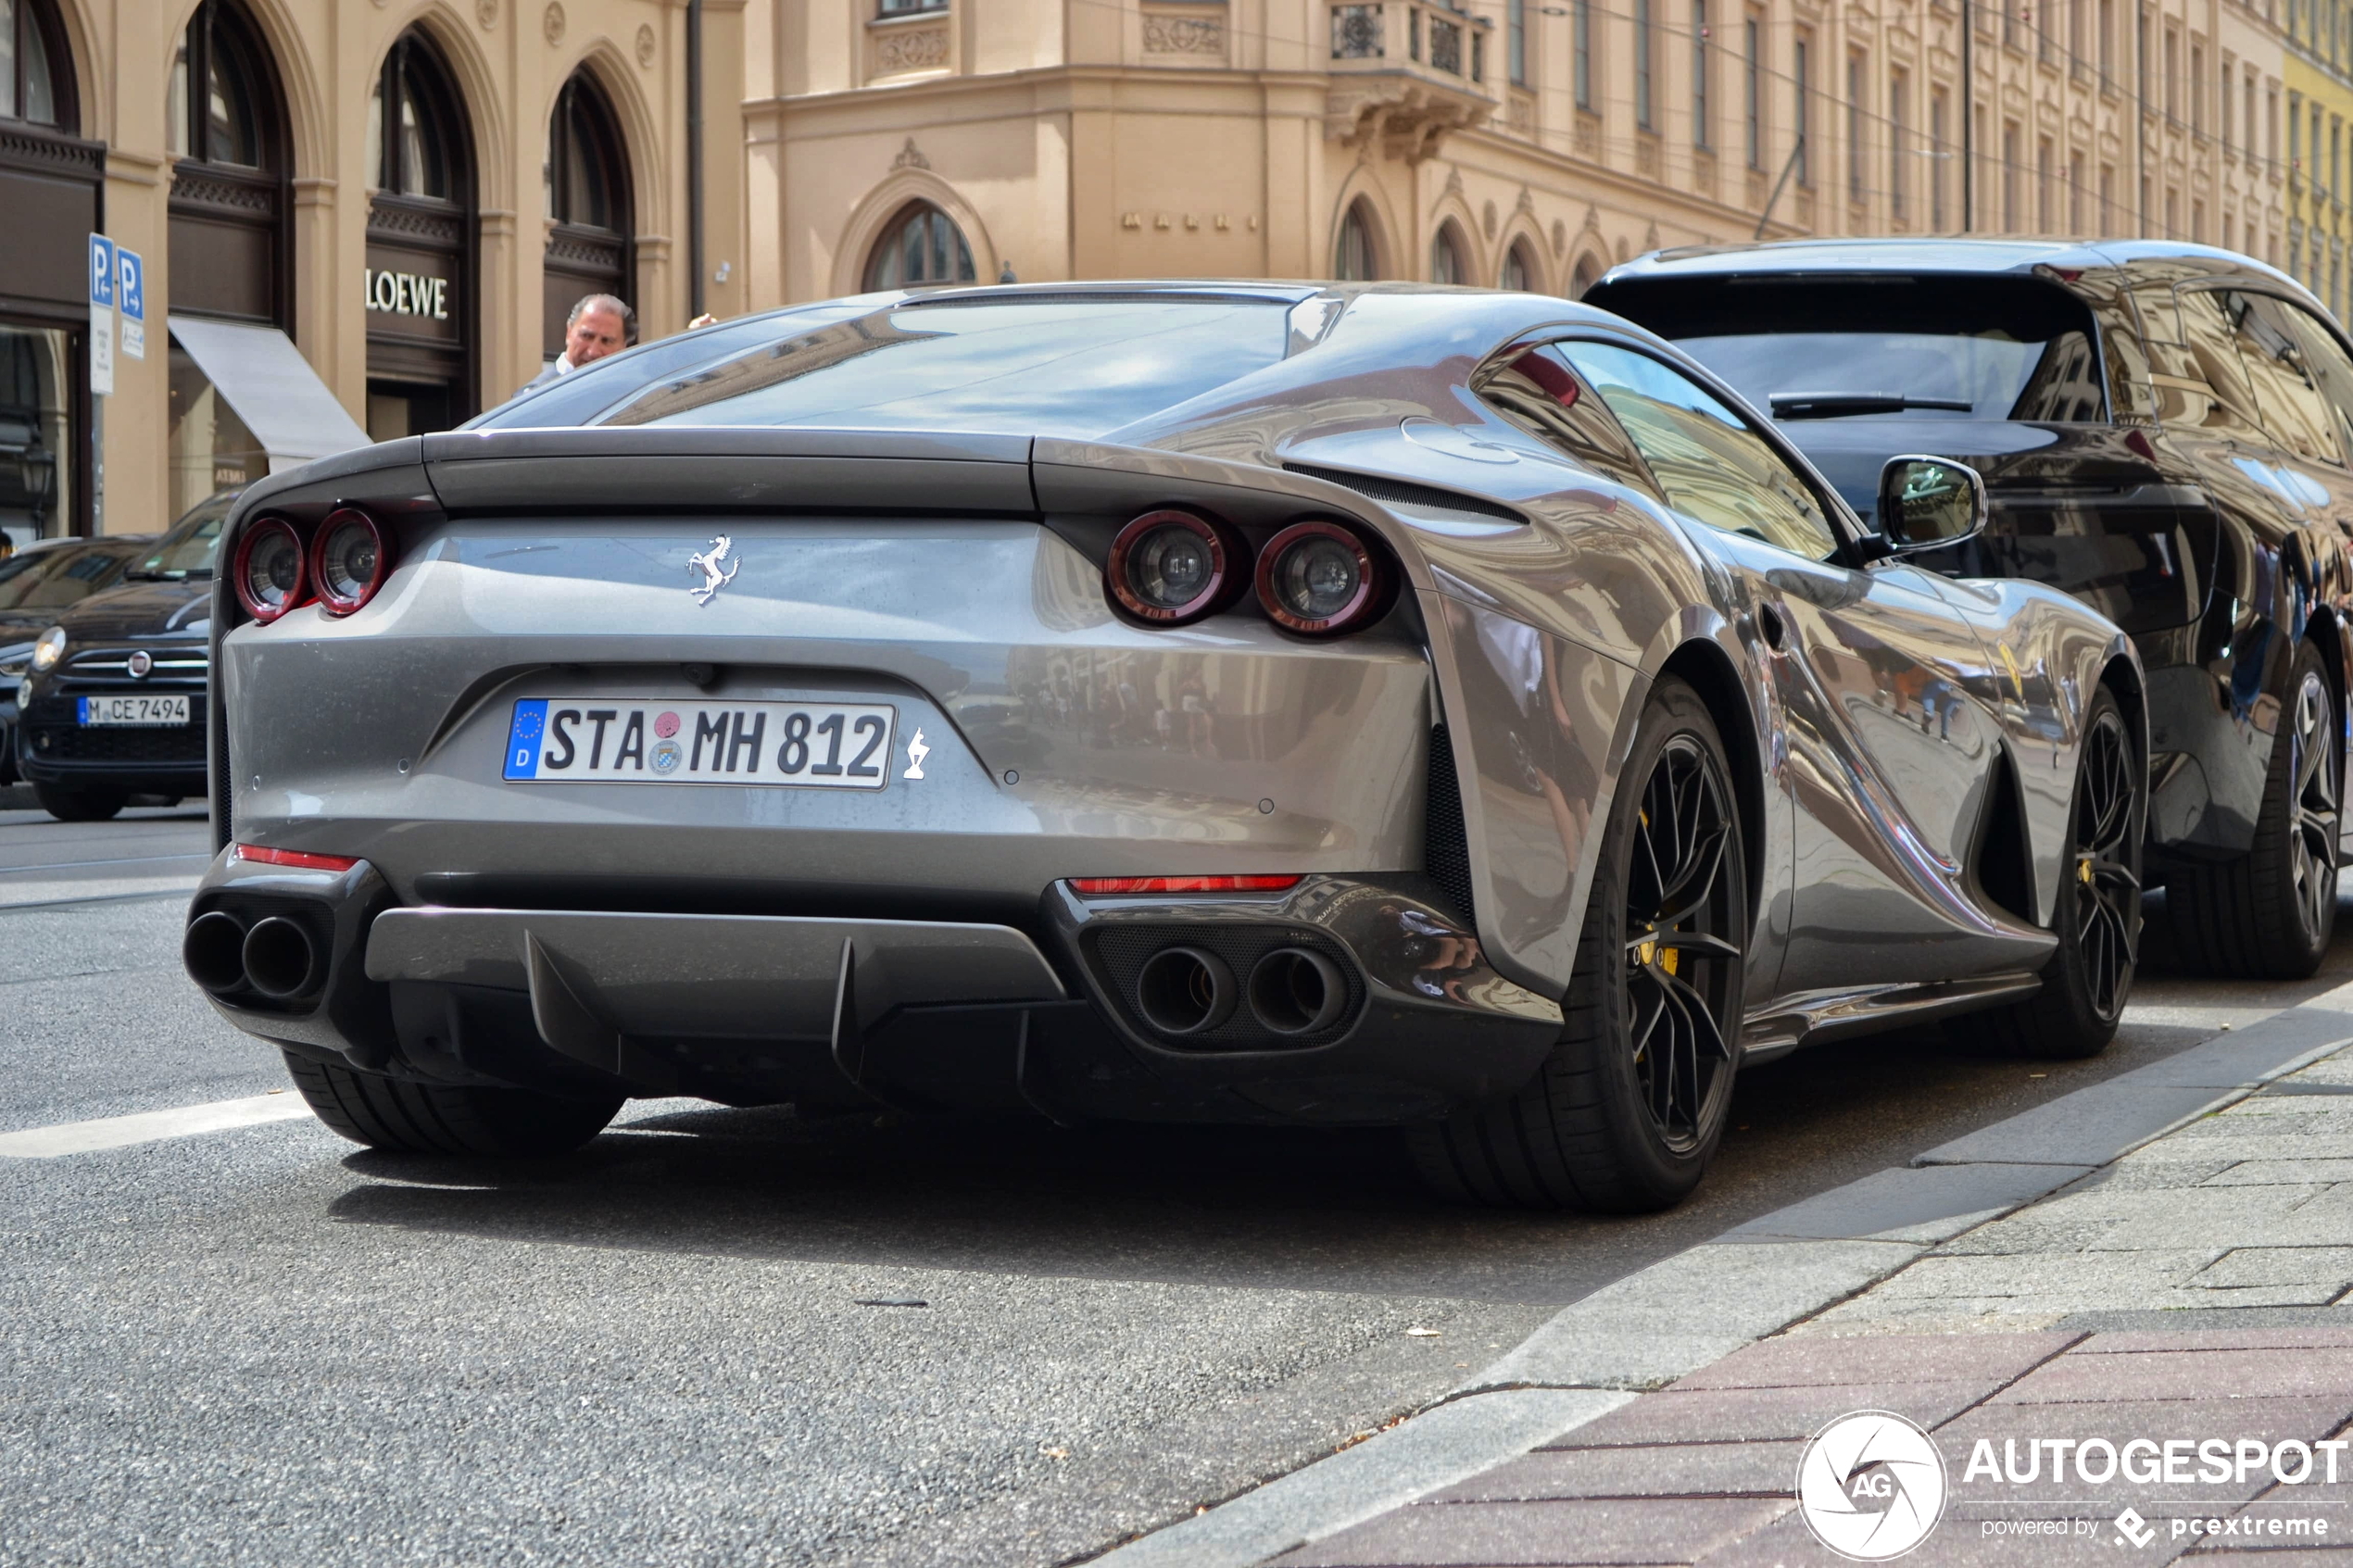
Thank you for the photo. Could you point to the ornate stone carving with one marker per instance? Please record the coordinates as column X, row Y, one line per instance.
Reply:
column 1560, row 238
column 1487, row 220
column 486, row 13
column 646, row 44
column 26, row 148
column 902, row 49
column 910, row 156
column 553, row 22
column 597, row 252
column 403, row 222
column 1170, row 34
column 191, row 186
column 1589, row 135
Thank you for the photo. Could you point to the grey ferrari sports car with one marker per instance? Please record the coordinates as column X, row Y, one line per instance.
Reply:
column 1221, row 702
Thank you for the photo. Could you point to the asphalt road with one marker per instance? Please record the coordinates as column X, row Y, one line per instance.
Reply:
column 265, row 1346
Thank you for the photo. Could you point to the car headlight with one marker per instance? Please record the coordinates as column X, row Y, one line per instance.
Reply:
column 48, row 649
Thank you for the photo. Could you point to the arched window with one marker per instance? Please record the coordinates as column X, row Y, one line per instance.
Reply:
column 415, row 133
column 34, row 84
column 1446, row 263
column 1588, row 273
column 225, row 123
column 419, row 279
column 1354, row 258
column 1519, row 269
column 588, row 207
column 922, row 245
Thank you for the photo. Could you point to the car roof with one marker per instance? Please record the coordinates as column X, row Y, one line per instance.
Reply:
column 1945, row 253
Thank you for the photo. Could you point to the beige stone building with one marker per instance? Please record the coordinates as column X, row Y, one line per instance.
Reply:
column 1521, row 142
column 354, row 215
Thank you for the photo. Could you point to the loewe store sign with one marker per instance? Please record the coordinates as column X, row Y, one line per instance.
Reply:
column 407, row 294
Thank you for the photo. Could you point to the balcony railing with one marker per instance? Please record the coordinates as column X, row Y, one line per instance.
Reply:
column 1387, row 34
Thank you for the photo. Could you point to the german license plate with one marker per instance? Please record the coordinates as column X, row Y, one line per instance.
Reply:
column 606, row 740
column 144, row 709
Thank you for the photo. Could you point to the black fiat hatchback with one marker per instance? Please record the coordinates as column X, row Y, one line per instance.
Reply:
column 2166, row 431
column 113, row 703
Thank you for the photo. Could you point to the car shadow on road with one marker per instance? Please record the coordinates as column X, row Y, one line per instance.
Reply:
column 1282, row 1208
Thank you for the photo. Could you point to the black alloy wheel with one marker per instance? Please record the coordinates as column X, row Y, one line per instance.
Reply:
column 2310, row 818
column 2271, row 913
column 1625, row 1114
column 2097, row 918
column 1677, row 954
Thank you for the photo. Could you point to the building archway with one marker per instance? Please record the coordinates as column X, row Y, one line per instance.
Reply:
column 1521, row 271
column 1449, row 257
column 420, row 273
column 920, row 244
column 1356, row 256
column 50, row 180
column 229, row 236
column 1588, row 272
column 590, row 207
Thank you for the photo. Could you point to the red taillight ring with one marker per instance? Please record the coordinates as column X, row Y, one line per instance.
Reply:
column 254, row 533
column 1225, row 556
column 1372, row 582
column 333, row 602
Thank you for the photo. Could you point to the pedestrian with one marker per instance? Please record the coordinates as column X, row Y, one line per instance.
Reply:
column 600, row 324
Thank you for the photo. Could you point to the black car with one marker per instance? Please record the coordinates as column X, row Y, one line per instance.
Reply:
column 2167, row 432
column 113, row 702
column 36, row 584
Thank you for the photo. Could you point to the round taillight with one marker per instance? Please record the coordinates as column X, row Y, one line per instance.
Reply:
column 1318, row 579
column 267, row 572
column 349, row 560
column 1170, row 567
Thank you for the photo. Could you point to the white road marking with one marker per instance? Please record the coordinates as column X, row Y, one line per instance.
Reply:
column 150, row 1126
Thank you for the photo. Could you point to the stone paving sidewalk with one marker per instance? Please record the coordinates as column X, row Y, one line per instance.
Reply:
column 2198, row 1291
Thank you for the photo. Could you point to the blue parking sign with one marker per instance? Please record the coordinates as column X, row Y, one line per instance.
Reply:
column 133, row 271
column 102, row 272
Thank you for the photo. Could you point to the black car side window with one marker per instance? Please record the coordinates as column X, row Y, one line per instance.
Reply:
column 2201, row 382
column 1537, row 390
column 2326, row 358
column 1714, row 468
column 2287, row 393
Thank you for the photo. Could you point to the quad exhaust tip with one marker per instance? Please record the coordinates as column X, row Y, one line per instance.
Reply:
column 1186, row 991
column 1294, row 991
column 280, row 959
column 213, row 949
column 274, row 956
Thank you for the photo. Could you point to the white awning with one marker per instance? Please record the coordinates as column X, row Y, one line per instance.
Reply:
column 272, row 388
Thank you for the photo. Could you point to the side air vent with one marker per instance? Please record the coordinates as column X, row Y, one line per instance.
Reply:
column 1407, row 495
column 1446, row 844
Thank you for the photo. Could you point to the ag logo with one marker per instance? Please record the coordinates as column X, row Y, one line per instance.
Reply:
column 1871, row 1485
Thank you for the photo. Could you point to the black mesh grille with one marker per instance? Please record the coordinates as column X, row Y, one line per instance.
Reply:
column 1446, row 844
column 176, row 745
column 1121, row 949
column 1409, row 495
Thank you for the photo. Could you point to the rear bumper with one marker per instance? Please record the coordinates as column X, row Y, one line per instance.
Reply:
column 924, row 1015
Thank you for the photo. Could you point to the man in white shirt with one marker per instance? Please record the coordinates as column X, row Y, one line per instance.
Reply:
column 598, row 326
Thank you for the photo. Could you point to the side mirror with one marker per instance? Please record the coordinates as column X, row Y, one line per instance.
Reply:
column 1928, row 502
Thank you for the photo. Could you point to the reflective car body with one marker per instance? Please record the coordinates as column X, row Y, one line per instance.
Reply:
column 2172, row 442
column 671, row 532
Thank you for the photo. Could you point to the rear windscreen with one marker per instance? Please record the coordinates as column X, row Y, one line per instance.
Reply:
column 1971, row 347
column 1075, row 368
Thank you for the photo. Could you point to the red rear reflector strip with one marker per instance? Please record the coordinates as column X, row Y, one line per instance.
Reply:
column 298, row 859
column 1097, row 885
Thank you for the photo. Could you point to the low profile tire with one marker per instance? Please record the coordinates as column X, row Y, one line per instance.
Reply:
column 1625, row 1114
column 78, row 805
column 2269, row 915
column 2098, row 918
column 404, row 1118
